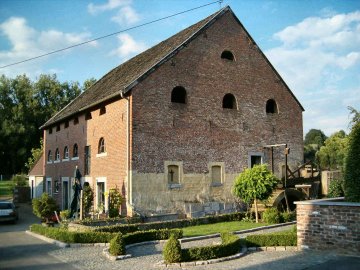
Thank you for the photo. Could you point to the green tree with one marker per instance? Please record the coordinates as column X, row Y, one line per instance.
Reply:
column 314, row 139
column 352, row 168
column 88, row 83
column 88, row 198
column 331, row 156
column 255, row 184
column 36, row 154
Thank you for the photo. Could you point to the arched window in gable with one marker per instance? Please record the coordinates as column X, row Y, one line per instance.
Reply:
column 101, row 148
column 178, row 95
column 229, row 102
column 271, row 106
column 228, row 55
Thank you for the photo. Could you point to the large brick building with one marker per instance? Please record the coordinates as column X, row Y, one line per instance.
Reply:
column 173, row 126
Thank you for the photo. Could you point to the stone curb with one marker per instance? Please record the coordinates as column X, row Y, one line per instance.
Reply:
column 203, row 237
column 228, row 258
column 114, row 258
column 49, row 240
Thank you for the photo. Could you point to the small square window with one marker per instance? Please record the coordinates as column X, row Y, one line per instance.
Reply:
column 50, row 130
column 66, row 124
column 76, row 120
column 58, row 128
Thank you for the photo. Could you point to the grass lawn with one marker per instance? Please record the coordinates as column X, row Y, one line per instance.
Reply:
column 229, row 226
column 5, row 188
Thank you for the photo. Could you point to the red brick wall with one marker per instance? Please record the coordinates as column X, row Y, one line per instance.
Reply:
column 112, row 127
column 202, row 131
column 325, row 226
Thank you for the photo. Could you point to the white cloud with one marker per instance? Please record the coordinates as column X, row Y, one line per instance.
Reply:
column 110, row 5
column 319, row 58
column 128, row 47
column 26, row 42
column 126, row 16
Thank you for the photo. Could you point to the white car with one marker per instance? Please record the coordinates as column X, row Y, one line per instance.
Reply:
column 8, row 212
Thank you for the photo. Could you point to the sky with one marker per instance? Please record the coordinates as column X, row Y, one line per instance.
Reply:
column 313, row 44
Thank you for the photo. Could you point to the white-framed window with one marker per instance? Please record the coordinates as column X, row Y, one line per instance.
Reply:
column 101, row 201
column 66, row 192
column 101, row 148
column 49, row 186
column 49, row 157
column 217, row 173
column 173, row 173
column 75, row 153
column 66, row 154
column 255, row 158
column 57, row 155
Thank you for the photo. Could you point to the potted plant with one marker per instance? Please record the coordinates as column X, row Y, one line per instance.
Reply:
column 44, row 208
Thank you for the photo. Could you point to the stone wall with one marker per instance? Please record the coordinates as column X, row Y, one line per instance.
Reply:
column 329, row 224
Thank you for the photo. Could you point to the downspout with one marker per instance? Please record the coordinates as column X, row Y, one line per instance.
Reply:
column 129, row 182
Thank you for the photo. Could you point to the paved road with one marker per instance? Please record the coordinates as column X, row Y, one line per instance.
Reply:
column 19, row 250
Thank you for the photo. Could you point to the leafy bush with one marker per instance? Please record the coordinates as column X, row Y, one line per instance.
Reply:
column 115, row 200
column 230, row 245
column 272, row 239
column 142, row 236
column 181, row 223
column 117, row 245
column 44, row 206
column 103, row 237
column 88, row 197
column 352, row 165
column 336, row 188
column 287, row 216
column 271, row 216
column 19, row 181
column 172, row 250
column 64, row 214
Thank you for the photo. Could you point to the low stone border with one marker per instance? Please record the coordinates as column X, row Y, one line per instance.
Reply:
column 228, row 258
column 195, row 263
column 114, row 258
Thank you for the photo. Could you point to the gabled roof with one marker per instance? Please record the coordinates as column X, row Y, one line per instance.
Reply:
column 38, row 167
column 121, row 79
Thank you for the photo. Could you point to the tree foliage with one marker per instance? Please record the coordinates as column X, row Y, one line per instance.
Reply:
column 44, row 206
column 331, row 156
column 25, row 105
column 352, row 168
column 256, row 183
column 314, row 139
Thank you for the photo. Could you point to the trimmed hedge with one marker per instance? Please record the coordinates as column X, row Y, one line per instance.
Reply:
column 103, row 237
column 181, row 223
column 117, row 245
column 231, row 244
column 272, row 239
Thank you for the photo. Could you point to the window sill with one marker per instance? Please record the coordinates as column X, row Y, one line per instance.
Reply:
column 56, row 161
column 174, row 186
column 65, row 159
column 101, row 154
column 49, row 162
column 216, row 184
column 75, row 158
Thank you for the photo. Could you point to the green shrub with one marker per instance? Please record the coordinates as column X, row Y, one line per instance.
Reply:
column 142, row 236
column 172, row 250
column 88, row 197
column 115, row 200
column 117, row 245
column 64, row 214
column 45, row 206
column 352, row 166
column 272, row 239
column 103, row 237
column 336, row 188
column 181, row 223
column 287, row 216
column 19, row 181
column 271, row 216
column 230, row 245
